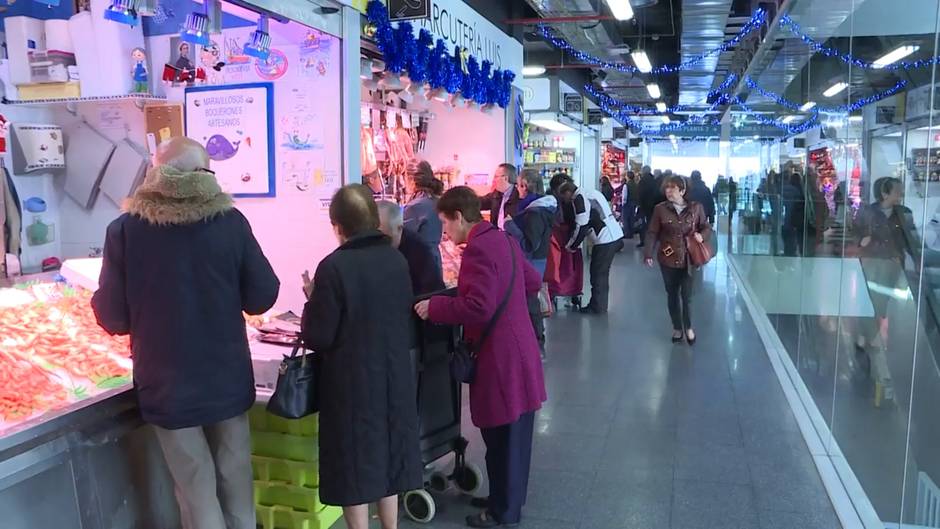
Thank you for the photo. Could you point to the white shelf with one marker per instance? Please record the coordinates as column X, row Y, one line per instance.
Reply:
column 98, row 99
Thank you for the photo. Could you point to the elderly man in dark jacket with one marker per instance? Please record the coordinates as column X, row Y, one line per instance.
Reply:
column 699, row 192
column 179, row 269
column 359, row 322
column 423, row 265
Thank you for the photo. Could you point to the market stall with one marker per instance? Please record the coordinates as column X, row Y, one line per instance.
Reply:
column 259, row 89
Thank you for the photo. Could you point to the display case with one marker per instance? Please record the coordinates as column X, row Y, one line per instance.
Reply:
column 53, row 355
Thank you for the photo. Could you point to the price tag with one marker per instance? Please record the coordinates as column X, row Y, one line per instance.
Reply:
column 376, row 119
column 390, row 120
column 406, row 120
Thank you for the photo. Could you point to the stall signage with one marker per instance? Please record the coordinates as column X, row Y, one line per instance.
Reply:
column 764, row 131
column 408, row 9
column 574, row 103
column 459, row 25
column 595, row 116
column 620, row 133
column 918, row 101
column 536, row 93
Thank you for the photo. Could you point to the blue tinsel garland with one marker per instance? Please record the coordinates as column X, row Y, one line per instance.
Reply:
column 404, row 54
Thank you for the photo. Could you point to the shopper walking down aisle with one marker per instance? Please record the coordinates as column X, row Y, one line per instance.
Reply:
column 358, row 320
column 422, row 190
column 179, row 268
column 594, row 221
column 503, row 201
column 699, row 192
column 646, row 200
column 886, row 235
column 509, row 386
column 425, row 272
column 673, row 221
column 628, row 211
column 532, row 227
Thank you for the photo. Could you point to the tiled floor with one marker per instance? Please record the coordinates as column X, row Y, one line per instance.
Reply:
column 639, row 433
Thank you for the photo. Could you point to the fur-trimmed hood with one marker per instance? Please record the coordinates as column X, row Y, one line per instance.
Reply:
column 169, row 196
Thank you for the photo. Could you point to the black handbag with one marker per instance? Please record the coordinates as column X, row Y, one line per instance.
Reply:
column 463, row 363
column 295, row 395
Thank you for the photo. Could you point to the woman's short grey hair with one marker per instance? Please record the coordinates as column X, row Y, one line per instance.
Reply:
column 533, row 180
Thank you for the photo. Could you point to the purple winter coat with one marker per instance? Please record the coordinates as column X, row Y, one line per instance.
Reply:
column 509, row 380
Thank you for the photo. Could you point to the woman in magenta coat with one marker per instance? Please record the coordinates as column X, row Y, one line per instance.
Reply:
column 509, row 386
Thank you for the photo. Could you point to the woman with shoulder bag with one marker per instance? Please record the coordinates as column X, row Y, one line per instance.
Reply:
column 680, row 228
column 508, row 386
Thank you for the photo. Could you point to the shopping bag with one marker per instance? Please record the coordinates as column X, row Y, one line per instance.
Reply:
column 546, row 307
column 295, row 394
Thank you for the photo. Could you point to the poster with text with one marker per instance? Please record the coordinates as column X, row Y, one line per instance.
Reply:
column 234, row 123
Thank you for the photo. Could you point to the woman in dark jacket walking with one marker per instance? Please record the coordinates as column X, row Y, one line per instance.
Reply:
column 672, row 221
column 509, row 386
column 358, row 321
column 885, row 230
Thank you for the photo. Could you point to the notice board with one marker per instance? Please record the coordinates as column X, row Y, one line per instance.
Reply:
column 235, row 124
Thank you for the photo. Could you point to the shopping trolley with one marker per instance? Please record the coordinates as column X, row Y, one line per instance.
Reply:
column 439, row 402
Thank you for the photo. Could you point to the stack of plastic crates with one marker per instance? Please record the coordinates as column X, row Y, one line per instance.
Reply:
column 285, row 462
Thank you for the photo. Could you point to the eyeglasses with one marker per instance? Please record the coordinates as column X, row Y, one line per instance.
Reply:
column 206, row 170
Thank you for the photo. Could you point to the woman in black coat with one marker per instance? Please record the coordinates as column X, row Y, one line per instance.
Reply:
column 358, row 322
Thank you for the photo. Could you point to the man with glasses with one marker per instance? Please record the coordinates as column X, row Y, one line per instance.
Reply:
column 503, row 201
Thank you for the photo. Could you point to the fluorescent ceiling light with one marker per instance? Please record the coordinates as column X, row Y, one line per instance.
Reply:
column 809, row 105
column 666, row 120
column 672, row 137
column 855, row 119
column 551, row 125
column 532, row 71
column 788, row 119
column 621, row 9
column 654, row 91
column 642, row 61
column 895, row 56
column 660, row 106
column 756, row 137
column 836, row 89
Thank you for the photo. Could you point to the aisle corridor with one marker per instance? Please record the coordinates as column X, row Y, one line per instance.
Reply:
column 640, row 434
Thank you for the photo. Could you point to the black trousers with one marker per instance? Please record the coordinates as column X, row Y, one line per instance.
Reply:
column 508, row 458
column 678, row 283
column 602, row 256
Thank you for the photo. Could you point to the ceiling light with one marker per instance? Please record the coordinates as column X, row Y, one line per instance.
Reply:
column 666, row 120
column 259, row 42
column 654, row 91
column 836, row 89
column 621, row 9
column 788, row 119
column 642, row 61
column 551, row 125
column 756, row 137
column 196, row 28
column 533, row 71
column 660, row 106
column 122, row 11
column 808, row 106
column 855, row 119
column 895, row 56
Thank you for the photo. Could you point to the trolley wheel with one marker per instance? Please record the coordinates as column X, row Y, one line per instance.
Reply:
column 438, row 481
column 419, row 506
column 469, row 479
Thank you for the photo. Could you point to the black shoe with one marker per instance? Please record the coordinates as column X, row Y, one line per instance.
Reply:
column 640, row 245
column 676, row 339
column 587, row 310
column 485, row 520
column 691, row 340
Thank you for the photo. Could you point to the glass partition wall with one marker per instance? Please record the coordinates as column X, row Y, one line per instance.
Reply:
column 837, row 240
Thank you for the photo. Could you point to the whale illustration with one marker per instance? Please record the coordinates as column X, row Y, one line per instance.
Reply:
column 220, row 149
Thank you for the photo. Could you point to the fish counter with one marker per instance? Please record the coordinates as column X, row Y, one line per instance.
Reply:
column 70, row 431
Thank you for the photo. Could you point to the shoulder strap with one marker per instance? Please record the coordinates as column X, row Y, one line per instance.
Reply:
column 503, row 303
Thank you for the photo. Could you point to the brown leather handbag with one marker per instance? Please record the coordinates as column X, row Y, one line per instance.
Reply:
column 699, row 252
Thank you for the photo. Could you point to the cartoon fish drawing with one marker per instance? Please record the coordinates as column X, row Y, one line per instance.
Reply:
column 220, row 149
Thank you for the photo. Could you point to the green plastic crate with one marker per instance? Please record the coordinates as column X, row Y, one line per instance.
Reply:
column 262, row 421
column 299, row 473
column 280, row 517
column 299, row 499
column 285, row 446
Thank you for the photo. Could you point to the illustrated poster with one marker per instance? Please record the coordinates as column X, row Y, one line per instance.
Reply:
column 235, row 125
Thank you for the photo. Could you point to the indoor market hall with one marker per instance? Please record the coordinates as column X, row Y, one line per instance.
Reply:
column 547, row 264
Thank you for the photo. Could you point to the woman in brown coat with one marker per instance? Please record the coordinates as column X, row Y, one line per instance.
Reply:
column 672, row 221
